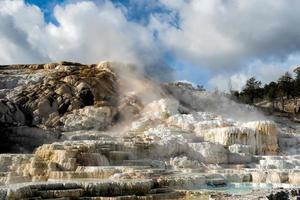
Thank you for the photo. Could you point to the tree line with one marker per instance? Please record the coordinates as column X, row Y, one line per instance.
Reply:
column 285, row 88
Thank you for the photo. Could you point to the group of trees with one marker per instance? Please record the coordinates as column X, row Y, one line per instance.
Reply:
column 285, row 88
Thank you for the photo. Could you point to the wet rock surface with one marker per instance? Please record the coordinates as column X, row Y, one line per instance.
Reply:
column 99, row 132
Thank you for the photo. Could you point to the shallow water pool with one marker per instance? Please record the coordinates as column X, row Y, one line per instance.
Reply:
column 244, row 188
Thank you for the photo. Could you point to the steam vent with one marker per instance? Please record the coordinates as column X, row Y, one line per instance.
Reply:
column 107, row 131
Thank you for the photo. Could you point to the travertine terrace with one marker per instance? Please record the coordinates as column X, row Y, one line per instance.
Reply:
column 90, row 133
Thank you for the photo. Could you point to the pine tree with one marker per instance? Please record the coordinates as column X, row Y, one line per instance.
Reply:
column 252, row 89
column 285, row 87
column 297, row 82
column 271, row 92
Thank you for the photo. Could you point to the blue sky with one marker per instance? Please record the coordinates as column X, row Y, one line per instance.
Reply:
column 139, row 13
column 208, row 42
column 46, row 7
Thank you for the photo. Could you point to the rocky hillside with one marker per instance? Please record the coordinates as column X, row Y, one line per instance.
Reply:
column 55, row 91
column 64, row 96
column 289, row 109
column 106, row 131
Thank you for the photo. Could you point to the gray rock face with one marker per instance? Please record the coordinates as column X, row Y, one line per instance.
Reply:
column 64, row 87
column 10, row 113
column 56, row 96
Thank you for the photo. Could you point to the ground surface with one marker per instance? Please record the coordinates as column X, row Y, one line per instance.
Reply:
column 105, row 130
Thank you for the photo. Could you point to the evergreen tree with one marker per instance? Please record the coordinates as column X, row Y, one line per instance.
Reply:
column 271, row 92
column 297, row 82
column 285, row 87
column 252, row 90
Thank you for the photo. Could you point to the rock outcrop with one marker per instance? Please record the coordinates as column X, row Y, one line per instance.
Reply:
column 107, row 134
column 260, row 136
column 62, row 88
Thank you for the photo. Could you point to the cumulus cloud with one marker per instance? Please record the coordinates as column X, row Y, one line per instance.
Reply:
column 86, row 32
column 221, row 33
column 263, row 71
column 17, row 27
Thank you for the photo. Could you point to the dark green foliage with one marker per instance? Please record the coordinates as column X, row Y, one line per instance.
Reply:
column 285, row 88
column 252, row 90
column 271, row 92
column 286, row 85
column 297, row 82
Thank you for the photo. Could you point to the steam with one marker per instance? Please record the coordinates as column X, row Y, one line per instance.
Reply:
column 133, row 80
column 212, row 102
column 220, row 104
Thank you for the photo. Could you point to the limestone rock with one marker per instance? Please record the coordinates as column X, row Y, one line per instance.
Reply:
column 185, row 181
column 260, row 136
column 184, row 163
column 161, row 109
column 130, row 107
column 89, row 117
column 117, row 140
column 209, row 152
column 266, row 136
column 294, row 177
column 198, row 121
column 239, row 158
column 61, row 88
column 239, row 148
column 277, row 177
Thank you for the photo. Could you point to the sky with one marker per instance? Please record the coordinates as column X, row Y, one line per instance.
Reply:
column 215, row 43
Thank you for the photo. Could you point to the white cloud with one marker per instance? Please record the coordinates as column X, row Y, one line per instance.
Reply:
column 263, row 71
column 86, row 33
column 221, row 33
column 19, row 23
